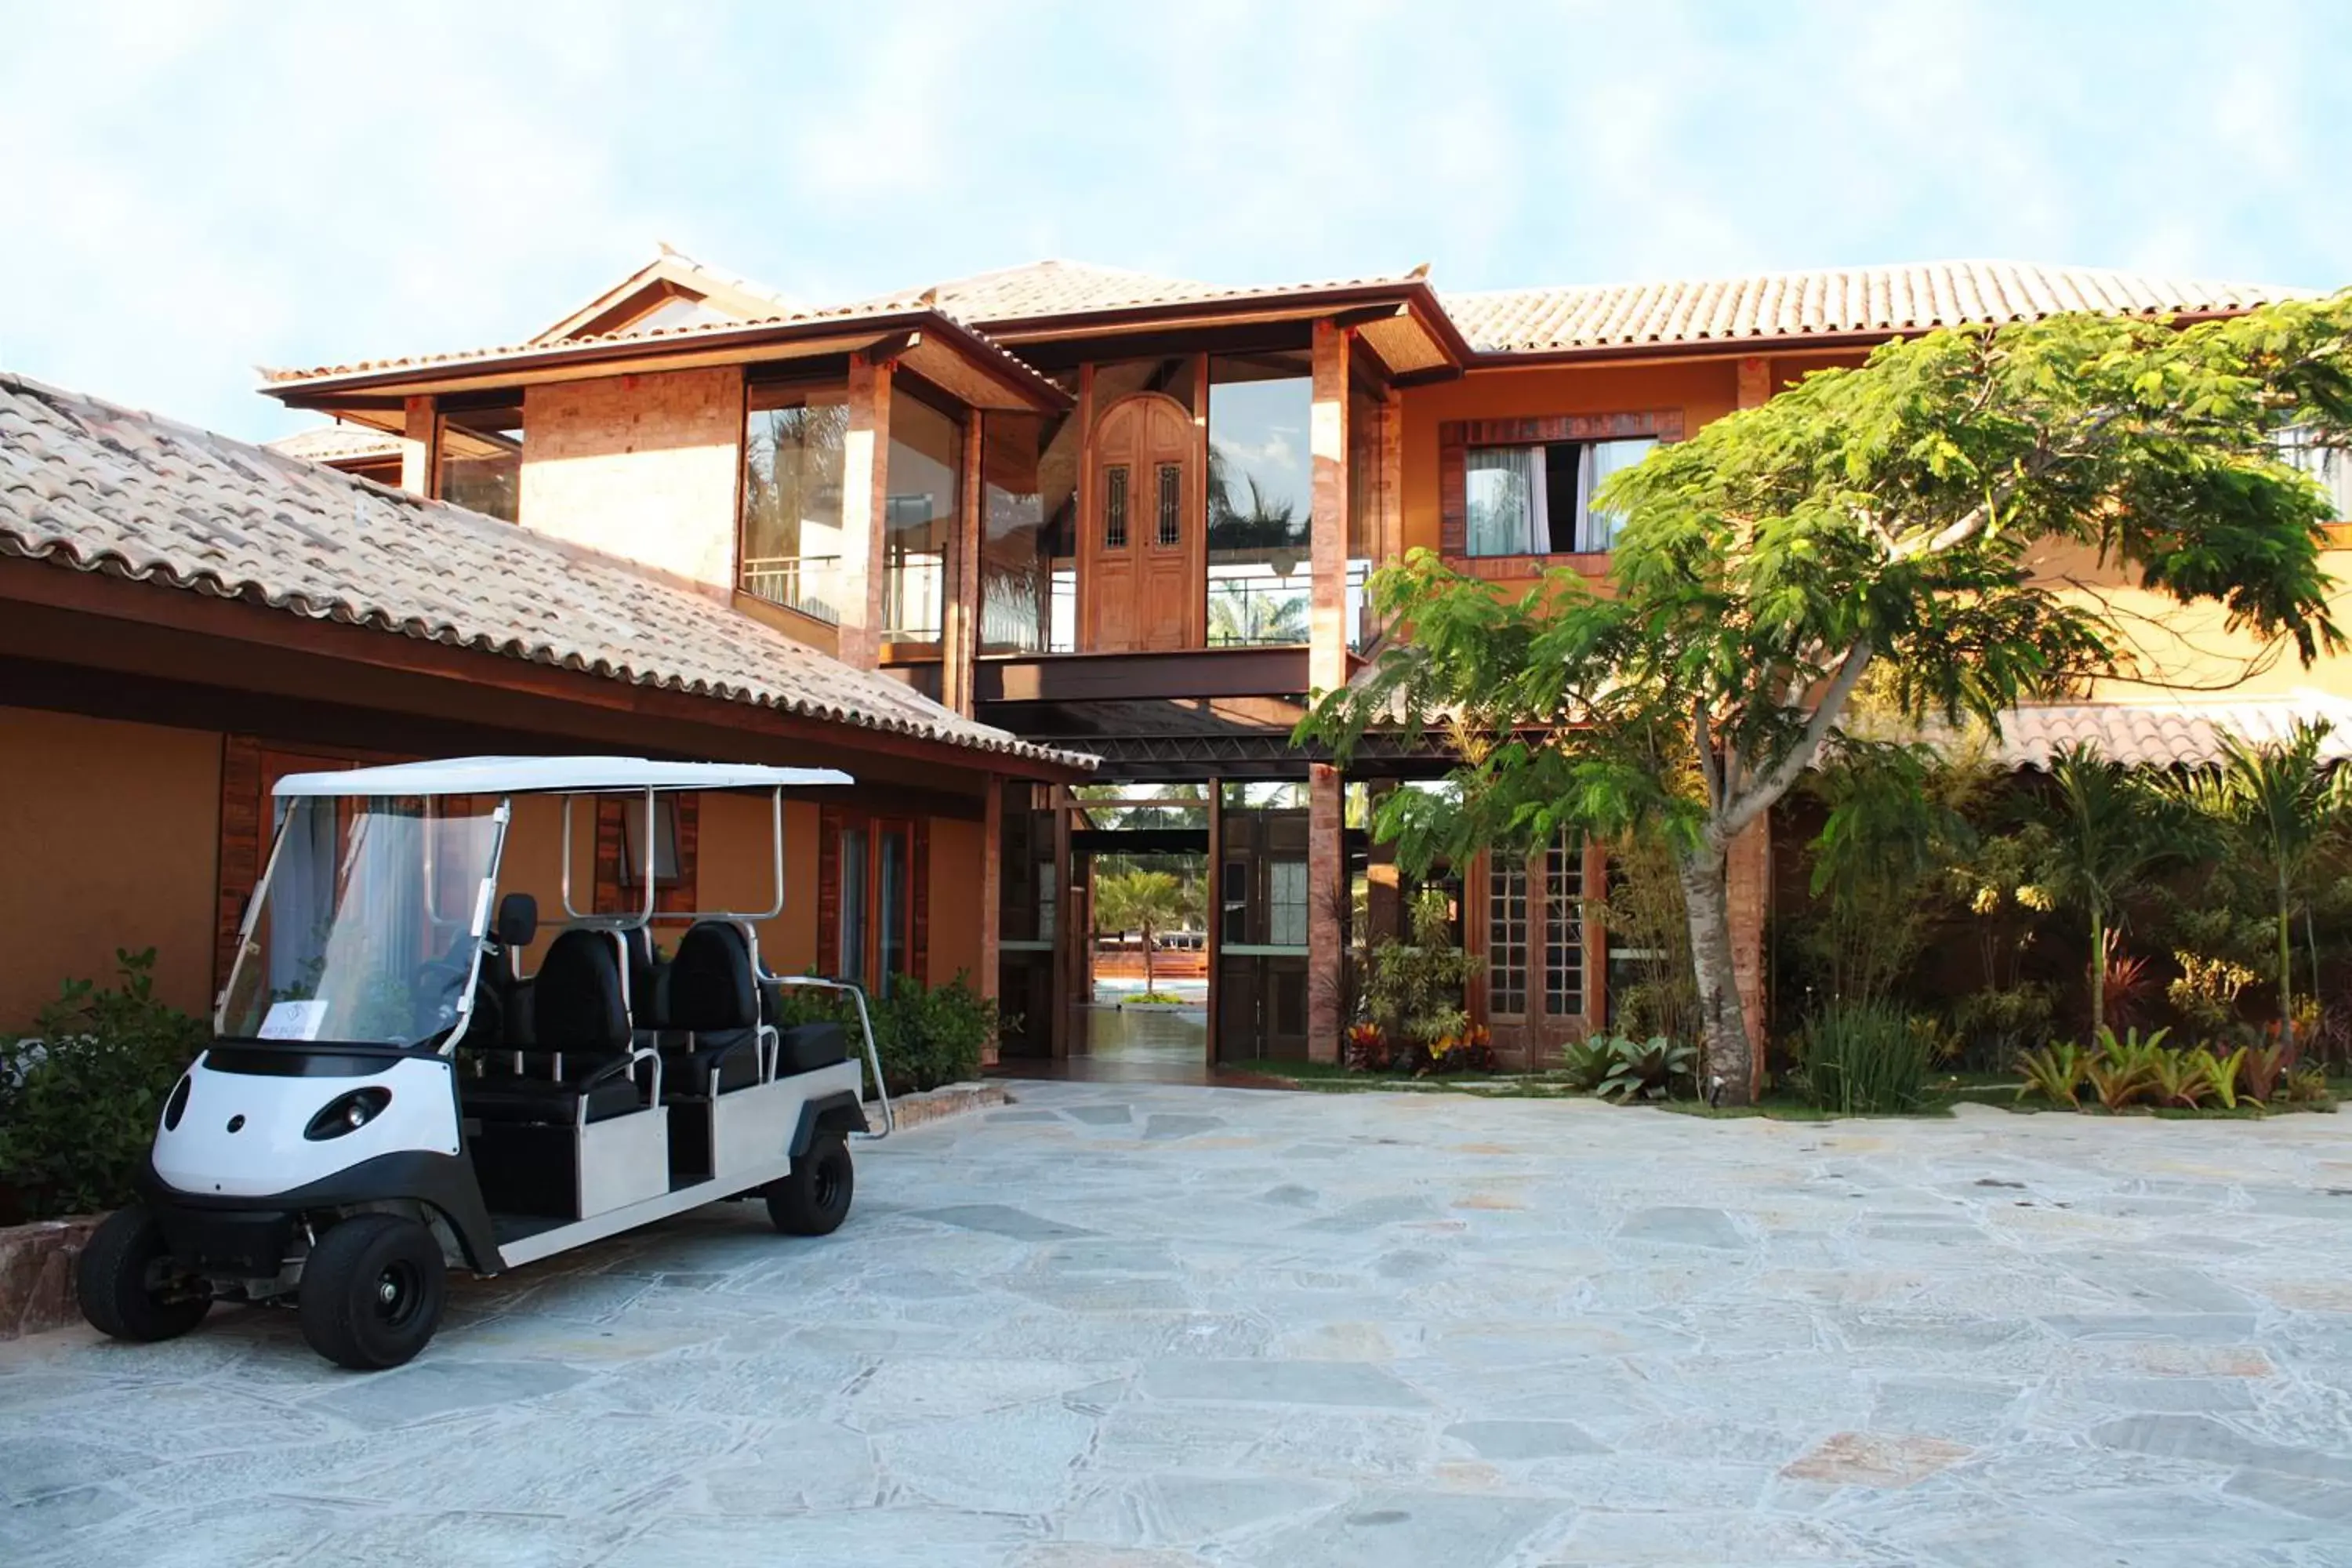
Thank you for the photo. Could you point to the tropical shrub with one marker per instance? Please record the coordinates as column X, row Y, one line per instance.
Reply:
column 1414, row 990
column 2056, row 1072
column 2306, row 1085
column 1994, row 1023
column 926, row 1037
column 80, row 1099
column 1585, row 1063
column 1367, row 1048
column 2125, row 1071
column 1654, row 1069
column 2223, row 1072
column 2183, row 1080
column 1472, row 1050
column 2264, row 1070
column 1864, row 1057
column 2206, row 994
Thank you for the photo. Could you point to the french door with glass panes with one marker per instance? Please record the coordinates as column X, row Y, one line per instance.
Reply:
column 1534, row 976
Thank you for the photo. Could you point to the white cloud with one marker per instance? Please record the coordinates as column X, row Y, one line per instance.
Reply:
column 196, row 188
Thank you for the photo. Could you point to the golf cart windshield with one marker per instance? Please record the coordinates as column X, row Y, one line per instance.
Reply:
column 368, row 925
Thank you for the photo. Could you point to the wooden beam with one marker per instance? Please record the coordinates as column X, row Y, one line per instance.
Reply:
column 420, row 454
column 865, row 500
column 960, row 631
column 1241, row 672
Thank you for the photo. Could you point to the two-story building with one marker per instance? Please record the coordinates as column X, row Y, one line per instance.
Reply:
column 1132, row 516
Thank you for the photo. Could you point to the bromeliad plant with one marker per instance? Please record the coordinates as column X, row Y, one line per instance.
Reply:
column 1654, row 1069
column 2056, row 1072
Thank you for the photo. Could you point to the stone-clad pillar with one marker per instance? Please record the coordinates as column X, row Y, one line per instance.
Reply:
column 865, row 489
column 1326, row 669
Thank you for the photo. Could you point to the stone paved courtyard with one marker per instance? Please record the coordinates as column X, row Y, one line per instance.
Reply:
column 1143, row 1326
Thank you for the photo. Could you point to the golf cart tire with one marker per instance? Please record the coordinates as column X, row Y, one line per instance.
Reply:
column 372, row 1290
column 112, row 1281
column 815, row 1199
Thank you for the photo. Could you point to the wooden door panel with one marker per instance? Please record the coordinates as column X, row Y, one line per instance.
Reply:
column 1141, row 536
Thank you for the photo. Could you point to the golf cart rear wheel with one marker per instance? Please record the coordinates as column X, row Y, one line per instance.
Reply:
column 372, row 1290
column 127, row 1286
column 815, row 1199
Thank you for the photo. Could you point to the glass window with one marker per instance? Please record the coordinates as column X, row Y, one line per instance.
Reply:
column 633, row 846
column 1115, row 507
column 1537, row 501
column 1564, row 928
column 793, row 443
column 1507, row 937
column 1171, row 506
column 2330, row 466
column 853, row 905
column 1285, row 904
column 481, row 459
column 1028, row 568
column 890, row 902
column 1261, row 498
column 925, row 485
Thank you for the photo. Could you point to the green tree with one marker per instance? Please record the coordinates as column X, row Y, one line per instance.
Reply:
column 1149, row 902
column 2280, row 813
column 2110, row 830
column 1884, row 517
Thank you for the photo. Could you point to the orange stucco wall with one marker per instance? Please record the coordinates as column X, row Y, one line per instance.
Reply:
column 113, row 840
column 641, row 465
column 733, row 869
column 955, row 901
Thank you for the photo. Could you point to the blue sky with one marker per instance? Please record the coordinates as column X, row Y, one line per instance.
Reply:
column 193, row 189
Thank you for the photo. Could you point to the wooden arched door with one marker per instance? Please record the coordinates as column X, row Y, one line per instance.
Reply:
column 1142, row 561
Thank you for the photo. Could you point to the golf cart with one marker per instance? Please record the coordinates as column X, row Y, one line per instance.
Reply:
column 388, row 1094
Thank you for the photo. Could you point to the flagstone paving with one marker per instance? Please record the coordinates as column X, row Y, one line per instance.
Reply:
column 1130, row 1326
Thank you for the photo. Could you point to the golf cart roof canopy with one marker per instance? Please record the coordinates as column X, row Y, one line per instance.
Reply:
column 549, row 776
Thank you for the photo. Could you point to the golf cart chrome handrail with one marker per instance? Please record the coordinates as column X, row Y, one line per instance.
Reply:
column 866, row 1023
column 629, row 919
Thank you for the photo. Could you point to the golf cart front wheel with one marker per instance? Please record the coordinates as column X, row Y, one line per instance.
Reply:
column 127, row 1285
column 372, row 1290
column 815, row 1199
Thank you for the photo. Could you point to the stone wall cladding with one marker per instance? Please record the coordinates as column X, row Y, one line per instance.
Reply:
column 36, row 1270
column 936, row 1104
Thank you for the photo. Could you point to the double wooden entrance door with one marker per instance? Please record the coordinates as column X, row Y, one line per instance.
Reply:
column 1142, row 557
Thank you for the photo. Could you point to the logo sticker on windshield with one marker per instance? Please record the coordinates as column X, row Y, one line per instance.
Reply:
column 294, row 1021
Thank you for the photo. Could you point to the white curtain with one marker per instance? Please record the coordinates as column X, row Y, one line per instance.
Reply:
column 1597, row 529
column 1504, row 491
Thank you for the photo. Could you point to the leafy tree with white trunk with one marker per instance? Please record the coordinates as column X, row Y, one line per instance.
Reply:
column 1880, row 521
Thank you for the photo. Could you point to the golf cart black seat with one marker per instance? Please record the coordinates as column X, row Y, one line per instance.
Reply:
column 579, row 1050
column 709, row 1011
column 808, row 1047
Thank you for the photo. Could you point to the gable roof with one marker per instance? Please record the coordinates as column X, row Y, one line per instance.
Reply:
column 673, row 274
column 338, row 444
column 100, row 487
column 1054, row 287
column 1836, row 302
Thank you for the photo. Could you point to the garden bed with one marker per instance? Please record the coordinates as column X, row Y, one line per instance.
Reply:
column 36, row 1269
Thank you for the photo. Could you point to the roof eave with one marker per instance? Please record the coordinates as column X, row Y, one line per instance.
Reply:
column 1020, row 382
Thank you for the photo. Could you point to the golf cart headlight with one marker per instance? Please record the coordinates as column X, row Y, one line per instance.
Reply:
column 178, row 1103
column 347, row 1113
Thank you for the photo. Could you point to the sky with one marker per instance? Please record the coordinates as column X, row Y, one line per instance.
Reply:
column 195, row 189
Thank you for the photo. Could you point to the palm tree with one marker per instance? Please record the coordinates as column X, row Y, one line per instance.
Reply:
column 1252, row 619
column 2110, row 831
column 2279, row 811
column 1146, row 901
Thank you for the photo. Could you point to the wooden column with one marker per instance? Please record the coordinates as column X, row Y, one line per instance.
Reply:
column 960, row 618
column 991, row 897
column 1391, row 530
column 1072, row 926
column 864, row 489
column 1215, row 902
column 1749, row 866
column 1326, row 669
column 420, row 452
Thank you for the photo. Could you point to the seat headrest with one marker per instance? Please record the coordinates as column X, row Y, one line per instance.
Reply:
column 709, row 984
column 576, row 995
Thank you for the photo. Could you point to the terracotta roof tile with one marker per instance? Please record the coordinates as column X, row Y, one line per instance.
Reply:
column 1838, row 302
column 2185, row 732
column 103, row 489
column 1058, row 288
column 337, row 443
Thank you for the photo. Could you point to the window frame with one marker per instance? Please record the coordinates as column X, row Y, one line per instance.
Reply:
column 1456, row 437
column 914, row 862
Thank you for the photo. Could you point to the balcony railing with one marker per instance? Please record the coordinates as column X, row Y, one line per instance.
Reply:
column 809, row 583
column 1256, row 604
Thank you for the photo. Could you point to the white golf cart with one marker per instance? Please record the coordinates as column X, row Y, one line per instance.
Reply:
column 387, row 1095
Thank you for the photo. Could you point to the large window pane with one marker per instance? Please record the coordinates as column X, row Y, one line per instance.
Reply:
column 481, row 459
column 924, row 487
column 792, row 497
column 1261, row 498
column 853, row 905
column 1028, row 571
column 891, row 908
column 1539, row 500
